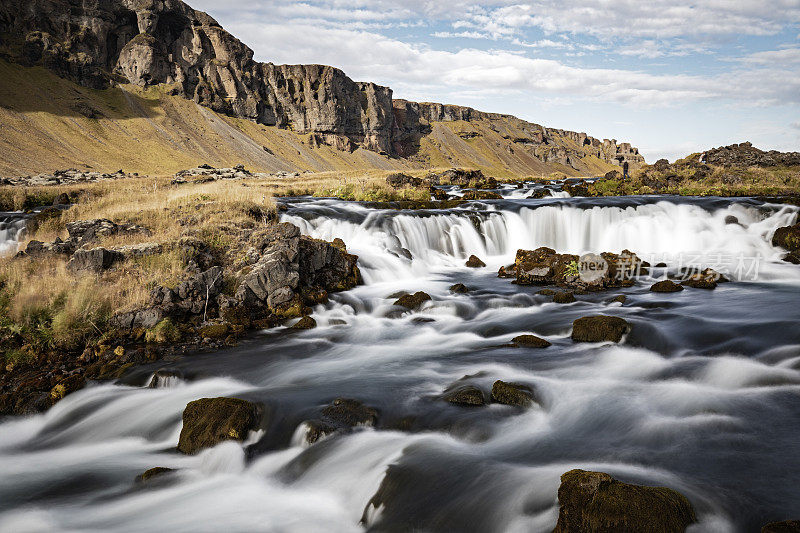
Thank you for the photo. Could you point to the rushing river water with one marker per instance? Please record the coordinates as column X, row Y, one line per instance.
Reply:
column 703, row 395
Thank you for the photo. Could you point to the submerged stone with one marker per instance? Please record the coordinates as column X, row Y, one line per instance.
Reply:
column 530, row 341
column 467, row 395
column 152, row 473
column 459, row 288
column 563, row 297
column 342, row 414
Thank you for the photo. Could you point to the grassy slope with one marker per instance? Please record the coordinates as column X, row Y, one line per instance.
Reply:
column 151, row 132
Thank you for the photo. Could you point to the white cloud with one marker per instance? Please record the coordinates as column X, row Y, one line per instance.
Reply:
column 372, row 56
column 782, row 57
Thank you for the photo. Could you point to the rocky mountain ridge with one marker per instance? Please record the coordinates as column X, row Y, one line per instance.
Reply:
column 100, row 43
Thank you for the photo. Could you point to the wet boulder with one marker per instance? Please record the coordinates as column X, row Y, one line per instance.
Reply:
column 508, row 271
column 702, row 279
column 151, row 474
column 342, row 415
column 475, row 262
column 620, row 298
column 413, row 301
column 530, row 341
column 594, row 501
column 209, row 421
column 512, row 394
column 599, row 328
column 787, row 237
column 467, row 395
column 785, row 526
column 666, row 285
column 459, row 288
column 305, row 322
column 564, row 297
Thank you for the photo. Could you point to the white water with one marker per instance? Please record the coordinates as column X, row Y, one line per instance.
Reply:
column 673, row 233
column 705, row 402
column 12, row 228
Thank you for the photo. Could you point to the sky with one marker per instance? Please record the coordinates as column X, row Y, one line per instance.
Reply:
column 672, row 78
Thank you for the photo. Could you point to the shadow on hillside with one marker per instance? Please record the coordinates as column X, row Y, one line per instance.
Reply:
column 35, row 89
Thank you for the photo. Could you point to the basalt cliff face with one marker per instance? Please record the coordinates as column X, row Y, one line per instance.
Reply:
column 102, row 43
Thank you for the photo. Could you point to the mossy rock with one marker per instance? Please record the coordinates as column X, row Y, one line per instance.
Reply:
column 481, row 195
column 475, row 262
column 564, row 297
column 530, row 341
column 512, row 394
column 305, row 323
column 594, row 501
column 163, row 332
column 341, row 415
column 599, row 328
column 467, row 395
column 214, row 331
column 413, row 301
column 621, row 298
column 209, row 421
column 459, row 288
column 666, row 285
column 787, row 237
column 153, row 473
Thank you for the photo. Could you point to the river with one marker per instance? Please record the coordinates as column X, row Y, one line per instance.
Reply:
column 702, row 396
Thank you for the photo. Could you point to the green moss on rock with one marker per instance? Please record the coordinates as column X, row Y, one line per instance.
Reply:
column 209, row 421
column 594, row 501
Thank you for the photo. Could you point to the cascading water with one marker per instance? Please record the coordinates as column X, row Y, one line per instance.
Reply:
column 701, row 397
column 12, row 228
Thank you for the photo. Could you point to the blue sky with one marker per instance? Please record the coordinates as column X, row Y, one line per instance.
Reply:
column 672, row 78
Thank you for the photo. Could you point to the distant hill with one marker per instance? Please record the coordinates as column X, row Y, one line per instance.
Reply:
column 157, row 86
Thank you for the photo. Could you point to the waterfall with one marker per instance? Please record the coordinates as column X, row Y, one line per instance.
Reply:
column 662, row 231
column 12, row 229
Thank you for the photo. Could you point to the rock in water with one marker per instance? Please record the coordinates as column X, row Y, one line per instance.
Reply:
column 475, row 262
column 153, row 473
column 512, row 394
column 786, row 526
column 459, row 288
column 209, row 421
column 468, row 395
column 305, row 323
column 666, row 285
column 340, row 416
column 599, row 328
column 413, row 301
column 530, row 341
column 564, row 297
column 787, row 237
column 596, row 502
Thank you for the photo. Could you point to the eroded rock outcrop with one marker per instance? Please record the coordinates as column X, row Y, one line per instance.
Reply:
column 590, row 272
column 151, row 42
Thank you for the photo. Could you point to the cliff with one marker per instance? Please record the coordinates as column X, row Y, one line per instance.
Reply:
column 104, row 43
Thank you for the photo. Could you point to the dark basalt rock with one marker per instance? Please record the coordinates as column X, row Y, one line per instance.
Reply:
column 459, row 288
column 599, row 328
column 563, row 297
column 594, row 501
column 341, row 415
column 621, row 298
column 95, row 260
column 530, row 341
column 475, row 262
column 512, row 394
column 413, row 301
column 508, row 271
column 153, row 473
column 666, row 285
column 467, row 395
column 209, row 421
column 786, row 526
